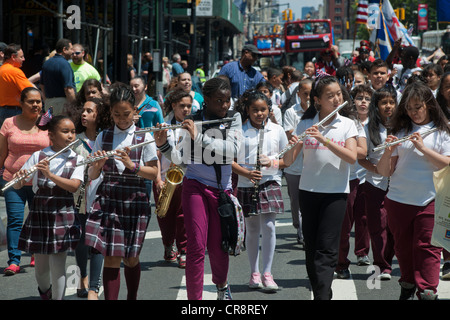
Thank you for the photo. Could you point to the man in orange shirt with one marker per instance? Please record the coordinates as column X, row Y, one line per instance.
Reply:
column 12, row 82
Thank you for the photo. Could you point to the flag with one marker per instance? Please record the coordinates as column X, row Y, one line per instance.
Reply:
column 241, row 4
column 443, row 11
column 384, row 39
column 46, row 117
column 396, row 28
column 362, row 12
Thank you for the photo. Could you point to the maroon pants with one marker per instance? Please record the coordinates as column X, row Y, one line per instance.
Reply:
column 172, row 225
column 380, row 236
column 355, row 214
column 412, row 227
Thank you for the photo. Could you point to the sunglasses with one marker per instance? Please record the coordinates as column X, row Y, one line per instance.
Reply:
column 76, row 53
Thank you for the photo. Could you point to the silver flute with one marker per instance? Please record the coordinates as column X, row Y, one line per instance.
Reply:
column 113, row 153
column 34, row 168
column 404, row 139
column 304, row 134
column 178, row 126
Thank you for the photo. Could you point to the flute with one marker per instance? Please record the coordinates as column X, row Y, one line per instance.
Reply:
column 178, row 126
column 113, row 153
column 406, row 138
column 34, row 168
column 304, row 134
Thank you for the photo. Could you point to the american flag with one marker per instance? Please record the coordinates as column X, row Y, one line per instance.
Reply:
column 362, row 12
column 46, row 117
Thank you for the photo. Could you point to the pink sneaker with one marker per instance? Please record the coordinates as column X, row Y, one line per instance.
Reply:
column 255, row 281
column 269, row 284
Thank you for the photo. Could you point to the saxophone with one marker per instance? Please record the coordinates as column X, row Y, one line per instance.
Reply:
column 174, row 177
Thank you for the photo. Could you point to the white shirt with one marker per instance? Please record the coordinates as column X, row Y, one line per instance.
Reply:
column 356, row 170
column 124, row 138
column 412, row 180
column 56, row 166
column 274, row 141
column 323, row 171
column 292, row 118
column 374, row 179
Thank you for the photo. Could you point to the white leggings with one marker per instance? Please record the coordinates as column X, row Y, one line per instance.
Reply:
column 50, row 270
column 264, row 225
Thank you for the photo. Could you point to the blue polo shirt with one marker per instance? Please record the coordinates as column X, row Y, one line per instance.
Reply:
column 56, row 75
column 150, row 112
column 240, row 79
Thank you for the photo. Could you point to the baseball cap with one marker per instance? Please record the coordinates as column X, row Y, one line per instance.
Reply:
column 3, row 46
column 252, row 48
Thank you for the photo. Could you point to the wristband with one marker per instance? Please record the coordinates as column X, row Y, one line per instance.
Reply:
column 164, row 147
column 327, row 142
column 275, row 163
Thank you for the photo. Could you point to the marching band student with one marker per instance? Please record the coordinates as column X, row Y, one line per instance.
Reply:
column 269, row 201
column 355, row 212
column 327, row 155
column 94, row 118
column 52, row 227
column 177, row 105
column 293, row 173
column 120, row 214
column 275, row 112
column 201, row 187
column 381, row 108
column 410, row 200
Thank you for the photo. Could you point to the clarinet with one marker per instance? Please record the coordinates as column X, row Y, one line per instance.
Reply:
column 255, row 195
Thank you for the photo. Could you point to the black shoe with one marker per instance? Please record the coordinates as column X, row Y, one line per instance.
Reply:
column 407, row 292
column 343, row 274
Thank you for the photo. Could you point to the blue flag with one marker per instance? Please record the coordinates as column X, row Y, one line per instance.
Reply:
column 384, row 39
column 443, row 11
column 241, row 4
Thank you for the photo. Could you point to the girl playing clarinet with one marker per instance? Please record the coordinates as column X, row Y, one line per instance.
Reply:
column 410, row 200
column 120, row 214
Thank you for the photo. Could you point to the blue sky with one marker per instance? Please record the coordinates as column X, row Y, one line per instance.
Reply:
column 297, row 5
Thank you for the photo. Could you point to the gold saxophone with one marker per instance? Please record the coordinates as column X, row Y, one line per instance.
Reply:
column 174, row 177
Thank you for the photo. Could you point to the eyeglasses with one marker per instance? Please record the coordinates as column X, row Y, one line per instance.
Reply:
column 76, row 53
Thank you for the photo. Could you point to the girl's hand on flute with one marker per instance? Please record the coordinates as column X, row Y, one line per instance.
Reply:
column 190, row 126
column 390, row 139
column 98, row 165
column 160, row 136
column 123, row 155
column 19, row 174
column 417, row 141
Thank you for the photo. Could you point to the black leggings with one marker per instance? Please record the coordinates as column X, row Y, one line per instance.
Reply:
column 322, row 216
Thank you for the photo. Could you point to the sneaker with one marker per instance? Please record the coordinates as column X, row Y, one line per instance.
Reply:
column 224, row 293
column 32, row 262
column 170, row 253
column 255, row 281
column 47, row 295
column 11, row 270
column 182, row 260
column 407, row 291
column 384, row 276
column 428, row 295
column 343, row 274
column 363, row 261
column 268, row 283
column 446, row 271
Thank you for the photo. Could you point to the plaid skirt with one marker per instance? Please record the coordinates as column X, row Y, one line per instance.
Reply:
column 119, row 218
column 52, row 225
column 270, row 199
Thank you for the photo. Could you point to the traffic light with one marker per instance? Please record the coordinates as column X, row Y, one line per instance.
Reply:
column 400, row 13
column 290, row 14
column 284, row 15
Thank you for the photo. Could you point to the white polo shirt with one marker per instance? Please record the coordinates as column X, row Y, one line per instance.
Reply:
column 412, row 180
column 374, row 179
column 323, row 171
column 292, row 118
column 274, row 141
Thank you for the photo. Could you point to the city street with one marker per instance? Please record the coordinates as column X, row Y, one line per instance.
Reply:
column 165, row 281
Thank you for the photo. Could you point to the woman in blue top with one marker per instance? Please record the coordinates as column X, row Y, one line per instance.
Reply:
column 149, row 112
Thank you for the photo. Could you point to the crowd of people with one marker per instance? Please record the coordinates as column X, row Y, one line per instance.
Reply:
column 94, row 198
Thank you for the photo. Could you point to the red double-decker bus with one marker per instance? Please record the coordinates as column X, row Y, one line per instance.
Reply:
column 272, row 49
column 304, row 39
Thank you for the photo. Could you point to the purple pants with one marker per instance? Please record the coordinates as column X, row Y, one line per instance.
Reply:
column 412, row 227
column 380, row 236
column 354, row 214
column 202, row 223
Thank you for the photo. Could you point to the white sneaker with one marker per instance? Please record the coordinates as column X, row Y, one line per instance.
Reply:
column 384, row 276
column 224, row 293
column 268, row 283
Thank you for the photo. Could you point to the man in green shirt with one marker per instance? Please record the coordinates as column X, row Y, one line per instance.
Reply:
column 82, row 70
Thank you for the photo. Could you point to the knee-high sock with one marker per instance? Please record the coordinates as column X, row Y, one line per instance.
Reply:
column 111, row 283
column 132, row 277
